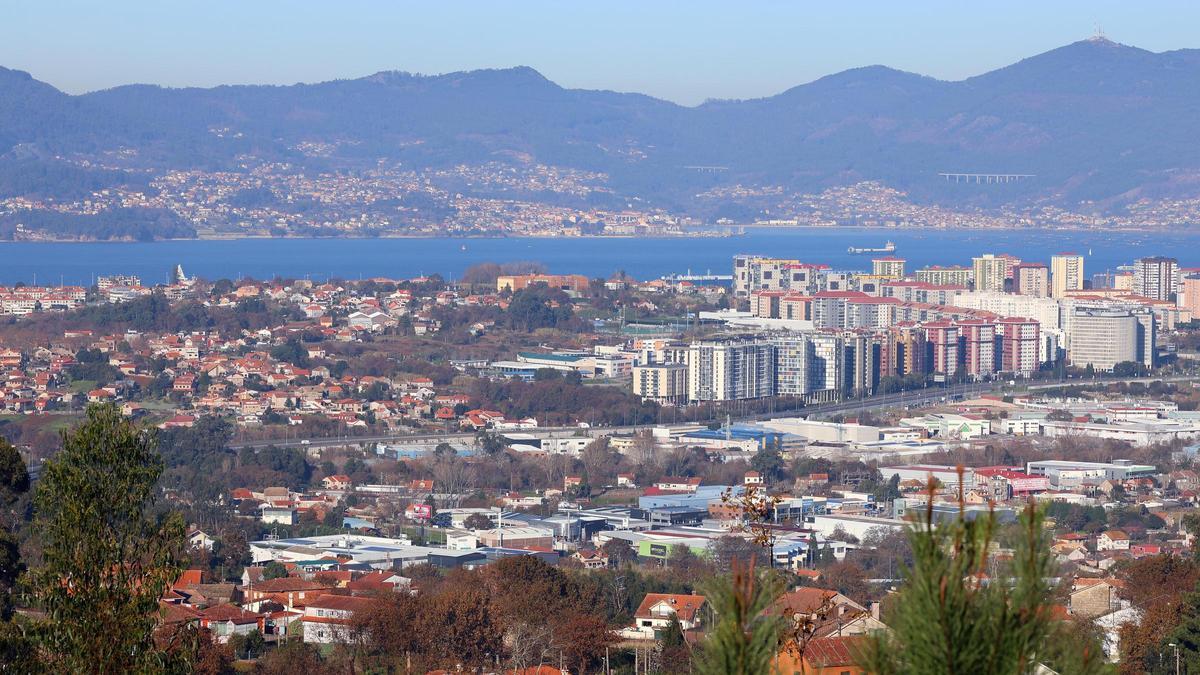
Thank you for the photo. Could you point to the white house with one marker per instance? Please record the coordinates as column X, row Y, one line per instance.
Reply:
column 656, row 610
column 1112, row 540
column 329, row 618
column 284, row 515
column 197, row 539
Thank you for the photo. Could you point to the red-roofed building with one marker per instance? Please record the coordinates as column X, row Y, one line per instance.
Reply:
column 329, row 618
column 225, row 621
column 656, row 610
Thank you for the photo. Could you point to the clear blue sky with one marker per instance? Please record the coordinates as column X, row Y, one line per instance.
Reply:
column 685, row 51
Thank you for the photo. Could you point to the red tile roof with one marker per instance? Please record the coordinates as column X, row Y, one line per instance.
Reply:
column 834, row 651
column 685, row 606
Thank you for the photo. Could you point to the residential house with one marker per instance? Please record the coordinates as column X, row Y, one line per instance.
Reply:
column 329, row 618
column 656, row 610
column 1091, row 598
column 823, row 656
column 225, row 621
column 287, row 591
column 1112, row 540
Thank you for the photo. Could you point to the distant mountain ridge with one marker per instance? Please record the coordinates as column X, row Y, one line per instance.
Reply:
column 1093, row 120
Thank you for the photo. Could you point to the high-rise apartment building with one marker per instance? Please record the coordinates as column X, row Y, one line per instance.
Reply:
column 953, row 275
column 1156, row 278
column 662, row 382
column 1020, row 345
column 991, row 271
column 1189, row 294
column 809, row 363
column 730, row 368
column 904, row 353
column 889, row 267
column 941, row 338
column 977, row 339
column 755, row 273
column 1066, row 274
column 1031, row 279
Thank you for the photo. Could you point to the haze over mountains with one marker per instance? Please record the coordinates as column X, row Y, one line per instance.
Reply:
column 1094, row 120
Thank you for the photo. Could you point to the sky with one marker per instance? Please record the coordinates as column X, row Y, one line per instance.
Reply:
column 684, row 51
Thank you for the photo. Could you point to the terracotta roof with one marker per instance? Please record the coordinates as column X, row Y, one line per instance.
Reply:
column 833, row 651
column 348, row 603
column 288, row 584
column 804, row 600
column 223, row 613
column 685, row 606
column 189, row 578
column 172, row 613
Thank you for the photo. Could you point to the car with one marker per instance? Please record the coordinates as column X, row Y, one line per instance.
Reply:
column 305, row 442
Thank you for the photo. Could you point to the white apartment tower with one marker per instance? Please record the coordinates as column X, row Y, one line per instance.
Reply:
column 1156, row 278
column 730, row 368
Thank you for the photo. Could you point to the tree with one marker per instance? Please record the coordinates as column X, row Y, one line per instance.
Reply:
column 14, row 483
column 675, row 654
column 106, row 559
column 745, row 639
column 274, row 570
column 768, row 463
column 619, row 551
column 582, row 638
column 956, row 621
column 469, row 632
column 248, row 646
column 478, row 521
column 14, row 477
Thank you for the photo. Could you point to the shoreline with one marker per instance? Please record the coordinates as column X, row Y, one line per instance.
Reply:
column 707, row 233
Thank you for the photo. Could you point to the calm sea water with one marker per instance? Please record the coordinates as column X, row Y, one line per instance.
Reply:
column 318, row 259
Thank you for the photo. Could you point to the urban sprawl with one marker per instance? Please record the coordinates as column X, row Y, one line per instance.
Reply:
column 416, row 438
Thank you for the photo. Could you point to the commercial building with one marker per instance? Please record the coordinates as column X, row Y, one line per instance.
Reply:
column 662, row 382
column 1066, row 473
column 1147, row 432
column 1066, row 273
column 1102, row 337
column 1156, row 278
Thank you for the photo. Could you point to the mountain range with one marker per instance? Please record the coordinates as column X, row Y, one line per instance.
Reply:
column 1093, row 121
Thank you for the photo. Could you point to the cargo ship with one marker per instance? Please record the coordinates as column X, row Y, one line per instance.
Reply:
column 887, row 248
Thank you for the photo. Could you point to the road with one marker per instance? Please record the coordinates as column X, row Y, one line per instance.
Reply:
column 913, row 398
